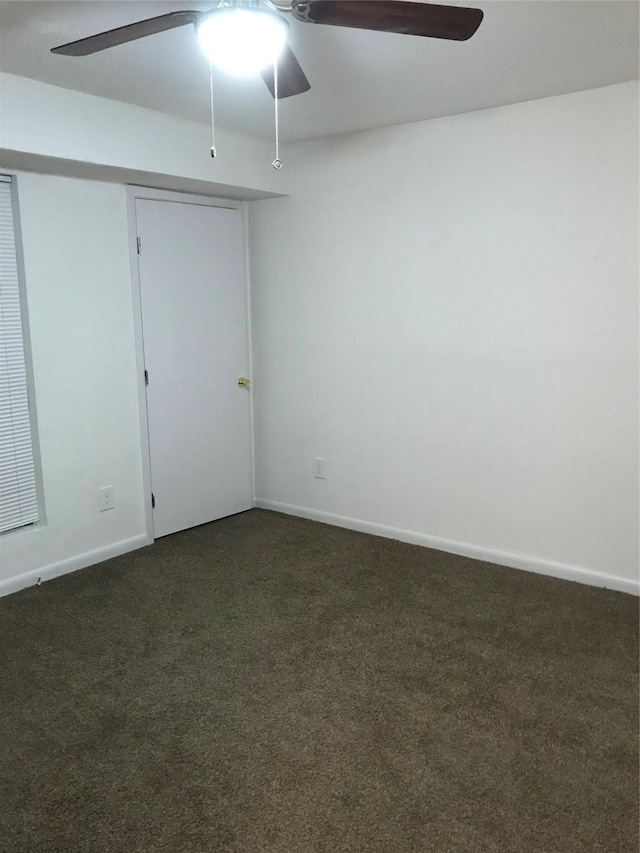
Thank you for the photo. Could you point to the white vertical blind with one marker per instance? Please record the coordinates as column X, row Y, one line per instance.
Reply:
column 18, row 492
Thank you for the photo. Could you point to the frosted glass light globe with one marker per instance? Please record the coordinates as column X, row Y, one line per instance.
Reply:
column 242, row 41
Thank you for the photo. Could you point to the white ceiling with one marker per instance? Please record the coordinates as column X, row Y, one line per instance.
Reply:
column 524, row 49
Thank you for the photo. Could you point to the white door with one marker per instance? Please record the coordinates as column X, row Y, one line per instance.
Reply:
column 195, row 331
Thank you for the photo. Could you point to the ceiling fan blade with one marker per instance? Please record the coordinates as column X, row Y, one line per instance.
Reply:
column 130, row 32
column 291, row 78
column 392, row 16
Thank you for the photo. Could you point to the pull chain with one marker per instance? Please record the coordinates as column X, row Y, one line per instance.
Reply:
column 213, row 127
column 277, row 163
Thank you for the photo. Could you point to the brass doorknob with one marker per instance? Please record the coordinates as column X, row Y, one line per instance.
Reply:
column 243, row 383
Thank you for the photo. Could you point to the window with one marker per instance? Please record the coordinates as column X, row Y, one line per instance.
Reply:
column 18, row 486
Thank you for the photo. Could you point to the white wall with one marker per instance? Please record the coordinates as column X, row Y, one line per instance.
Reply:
column 46, row 128
column 448, row 313
column 76, row 252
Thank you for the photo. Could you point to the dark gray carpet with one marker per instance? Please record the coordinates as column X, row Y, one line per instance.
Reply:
column 265, row 684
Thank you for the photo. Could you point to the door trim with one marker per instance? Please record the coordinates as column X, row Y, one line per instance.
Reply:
column 133, row 194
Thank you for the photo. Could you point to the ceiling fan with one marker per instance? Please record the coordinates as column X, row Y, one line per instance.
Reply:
column 262, row 31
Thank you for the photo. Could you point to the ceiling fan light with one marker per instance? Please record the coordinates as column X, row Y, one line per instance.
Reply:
column 242, row 41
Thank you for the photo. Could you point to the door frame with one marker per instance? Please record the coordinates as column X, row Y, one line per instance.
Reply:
column 133, row 194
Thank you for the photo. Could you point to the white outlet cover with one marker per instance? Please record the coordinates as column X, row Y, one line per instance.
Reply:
column 320, row 468
column 106, row 498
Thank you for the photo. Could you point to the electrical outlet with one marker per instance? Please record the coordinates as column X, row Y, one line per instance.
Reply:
column 320, row 468
column 106, row 498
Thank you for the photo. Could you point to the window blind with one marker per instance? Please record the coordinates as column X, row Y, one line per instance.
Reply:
column 18, row 491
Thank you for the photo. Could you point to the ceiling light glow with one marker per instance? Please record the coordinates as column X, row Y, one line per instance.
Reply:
column 242, row 41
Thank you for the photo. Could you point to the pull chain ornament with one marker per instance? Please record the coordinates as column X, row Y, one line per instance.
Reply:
column 277, row 163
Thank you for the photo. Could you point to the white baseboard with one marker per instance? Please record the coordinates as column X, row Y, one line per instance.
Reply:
column 464, row 549
column 80, row 561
